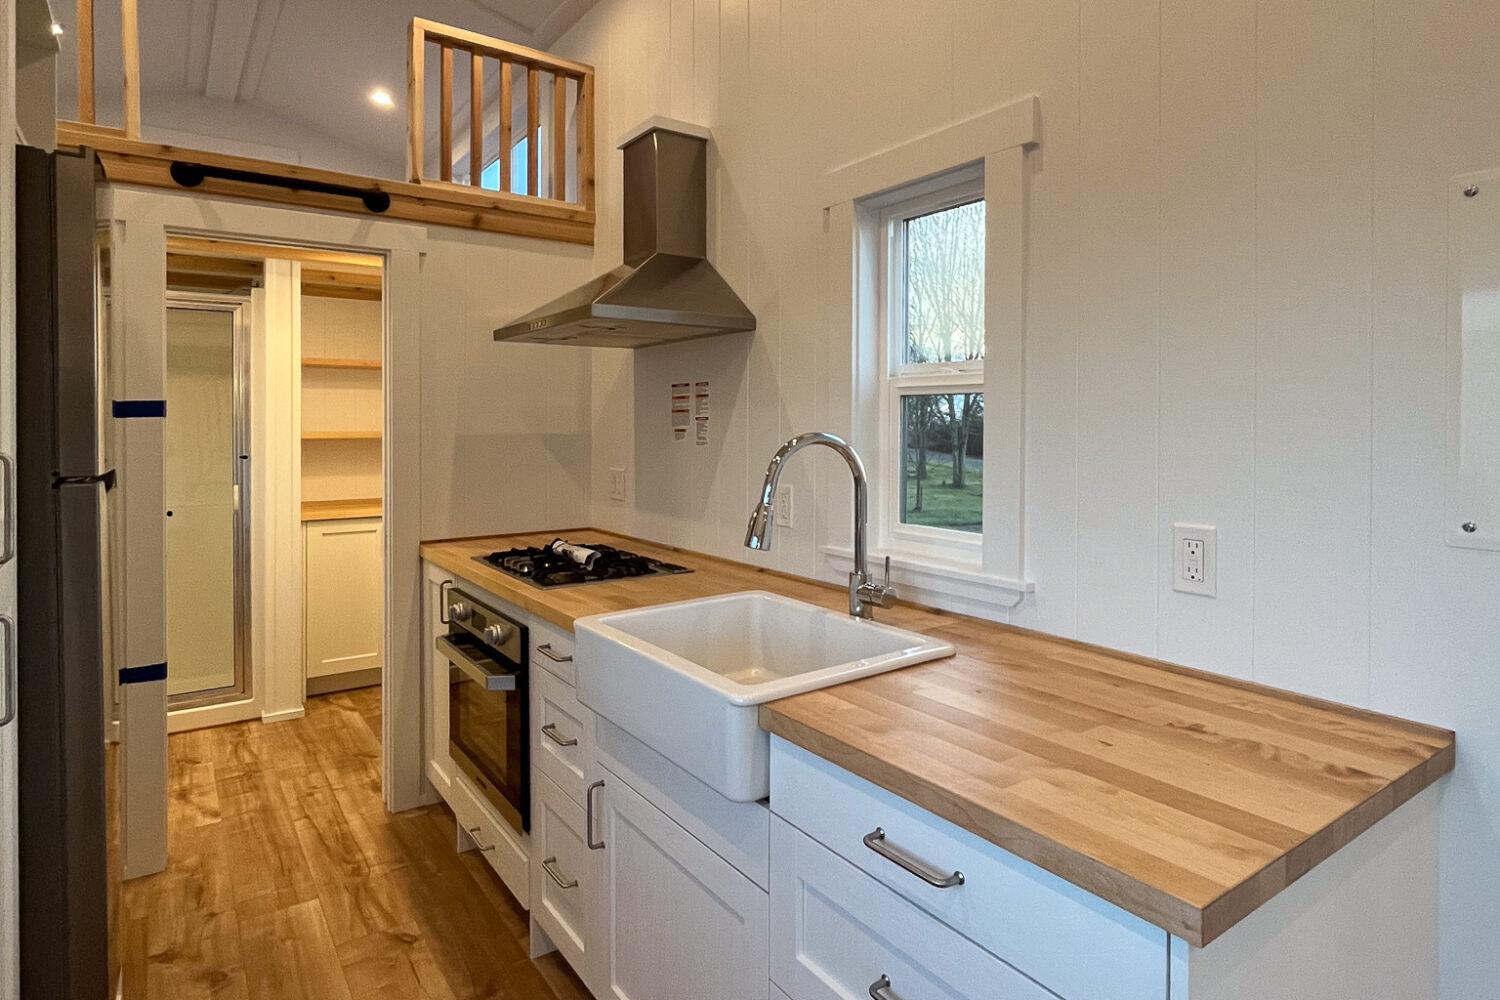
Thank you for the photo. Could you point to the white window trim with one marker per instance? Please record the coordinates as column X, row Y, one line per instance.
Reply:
column 991, row 145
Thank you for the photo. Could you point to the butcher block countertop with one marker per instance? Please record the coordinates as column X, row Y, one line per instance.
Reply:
column 1184, row 797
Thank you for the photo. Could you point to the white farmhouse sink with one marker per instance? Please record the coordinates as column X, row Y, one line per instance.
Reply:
column 685, row 678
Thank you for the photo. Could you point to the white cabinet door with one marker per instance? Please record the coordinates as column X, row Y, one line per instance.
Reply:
column 344, row 596
column 565, row 876
column 678, row 921
column 840, row 934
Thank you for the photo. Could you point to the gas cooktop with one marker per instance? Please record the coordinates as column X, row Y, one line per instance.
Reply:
column 561, row 563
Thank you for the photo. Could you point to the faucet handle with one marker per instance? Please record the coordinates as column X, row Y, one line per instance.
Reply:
column 882, row 595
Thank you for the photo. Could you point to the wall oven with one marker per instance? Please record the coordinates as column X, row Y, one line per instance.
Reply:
column 489, row 703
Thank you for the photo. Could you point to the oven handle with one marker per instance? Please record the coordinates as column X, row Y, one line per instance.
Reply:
column 473, row 669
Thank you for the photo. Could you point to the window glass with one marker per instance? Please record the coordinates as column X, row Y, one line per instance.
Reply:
column 944, row 308
column 942, row 447
column 490, row 176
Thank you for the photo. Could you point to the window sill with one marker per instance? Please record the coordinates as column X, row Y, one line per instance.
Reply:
column 947, row 585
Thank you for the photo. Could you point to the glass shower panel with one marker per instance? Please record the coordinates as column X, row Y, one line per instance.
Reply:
column 202, row 459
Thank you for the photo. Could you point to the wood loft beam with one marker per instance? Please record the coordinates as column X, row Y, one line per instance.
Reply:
column 128, row 161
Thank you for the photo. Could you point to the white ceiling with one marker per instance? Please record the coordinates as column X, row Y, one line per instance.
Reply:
column 247, row 64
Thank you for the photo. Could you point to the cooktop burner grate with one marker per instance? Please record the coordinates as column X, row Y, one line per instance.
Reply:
column 561, row 563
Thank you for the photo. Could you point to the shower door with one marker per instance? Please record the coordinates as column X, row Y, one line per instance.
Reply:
column 206, row 493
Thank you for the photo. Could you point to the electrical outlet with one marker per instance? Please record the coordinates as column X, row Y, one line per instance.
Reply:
column 1195, row 559
column 617, row 484
column 783, row 505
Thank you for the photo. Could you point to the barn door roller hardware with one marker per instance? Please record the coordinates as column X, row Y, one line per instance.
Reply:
column 191, row 175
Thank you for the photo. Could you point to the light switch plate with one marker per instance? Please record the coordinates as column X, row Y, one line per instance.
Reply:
column 1195, row 559
column 617, row 484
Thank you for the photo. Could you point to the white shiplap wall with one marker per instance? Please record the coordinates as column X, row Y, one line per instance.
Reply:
column 1236, row 308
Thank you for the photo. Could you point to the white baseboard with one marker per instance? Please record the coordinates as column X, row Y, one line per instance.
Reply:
column 285, row 715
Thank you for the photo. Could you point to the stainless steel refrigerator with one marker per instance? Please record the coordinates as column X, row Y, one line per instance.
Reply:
column 68, row 866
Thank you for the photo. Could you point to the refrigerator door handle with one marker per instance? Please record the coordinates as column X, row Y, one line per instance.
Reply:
column 8, row 509
column 8, row 652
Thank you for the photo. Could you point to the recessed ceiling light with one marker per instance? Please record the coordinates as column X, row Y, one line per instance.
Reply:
column 57, row 29
column 381, row 98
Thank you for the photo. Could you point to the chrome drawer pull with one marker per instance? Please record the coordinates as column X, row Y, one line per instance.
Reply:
column 546, row 650
column 549, row 865
column 880, row 989
column 875, row 841
column 474, row 835
column 588, row 819
column 550, row 731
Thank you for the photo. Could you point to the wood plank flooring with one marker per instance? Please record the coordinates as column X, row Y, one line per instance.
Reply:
column 287, row 879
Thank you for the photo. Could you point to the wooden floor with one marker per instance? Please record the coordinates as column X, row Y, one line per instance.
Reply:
column 288, row 879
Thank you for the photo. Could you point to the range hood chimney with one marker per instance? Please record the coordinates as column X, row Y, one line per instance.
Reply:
column 666, row 291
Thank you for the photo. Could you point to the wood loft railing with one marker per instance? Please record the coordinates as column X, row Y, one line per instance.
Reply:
column 568, row 84
column 566, row 212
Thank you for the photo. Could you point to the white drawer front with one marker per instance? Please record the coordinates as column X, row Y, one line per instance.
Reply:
column 837, row 933
column 552, row 650
column 503, row 847
column 565, row 879
column 1073, row 942
column 563, row 742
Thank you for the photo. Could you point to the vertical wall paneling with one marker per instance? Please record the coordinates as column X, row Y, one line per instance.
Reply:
column 1312, row 440
column 1436, row 95
column 1046, row 34
column 1207, row 350
column 1119, row 310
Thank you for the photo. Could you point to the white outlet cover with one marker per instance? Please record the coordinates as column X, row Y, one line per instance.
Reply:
column 1182, row 581
column 783, row 503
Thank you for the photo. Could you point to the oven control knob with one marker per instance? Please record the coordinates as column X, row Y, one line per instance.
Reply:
column 495, row 635
column 459, row 611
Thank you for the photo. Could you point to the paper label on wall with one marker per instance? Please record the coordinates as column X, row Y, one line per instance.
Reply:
column 680, row 408
column 700, row 410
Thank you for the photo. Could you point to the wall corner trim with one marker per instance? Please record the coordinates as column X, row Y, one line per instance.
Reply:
column 1008, row 126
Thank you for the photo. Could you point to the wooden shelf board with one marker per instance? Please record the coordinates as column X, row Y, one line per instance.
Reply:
column 335, row 510
column 360, row 364
column 341, row 436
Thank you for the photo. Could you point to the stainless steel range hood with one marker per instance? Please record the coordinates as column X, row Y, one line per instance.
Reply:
column 666, row 291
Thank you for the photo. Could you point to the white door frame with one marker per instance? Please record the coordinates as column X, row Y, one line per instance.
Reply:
column 148, row 216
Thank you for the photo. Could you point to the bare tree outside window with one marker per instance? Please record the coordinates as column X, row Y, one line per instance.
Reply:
column 942, row 433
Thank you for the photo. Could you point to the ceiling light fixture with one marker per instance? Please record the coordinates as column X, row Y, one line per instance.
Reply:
column 381, row 98
column 57, row 29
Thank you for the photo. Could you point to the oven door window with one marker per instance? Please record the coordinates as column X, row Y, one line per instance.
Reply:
column 487, row 732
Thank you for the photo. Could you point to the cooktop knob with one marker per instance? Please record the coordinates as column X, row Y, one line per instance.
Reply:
column 459, row 611
column 496, row 634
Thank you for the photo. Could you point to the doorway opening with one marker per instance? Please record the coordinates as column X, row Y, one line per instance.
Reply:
column 273, row 480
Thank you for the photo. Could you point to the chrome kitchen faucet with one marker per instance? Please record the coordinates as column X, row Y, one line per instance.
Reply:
column 865, row 593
